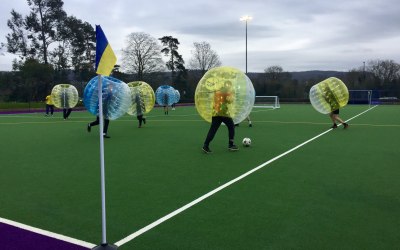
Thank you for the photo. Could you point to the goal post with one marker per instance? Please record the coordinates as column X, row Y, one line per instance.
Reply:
column 363, row 96
column 267, row 102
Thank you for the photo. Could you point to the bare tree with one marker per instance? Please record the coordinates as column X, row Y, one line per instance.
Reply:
column 274, row 72
column 203, row 57
column 142, row 55
column 385, row 70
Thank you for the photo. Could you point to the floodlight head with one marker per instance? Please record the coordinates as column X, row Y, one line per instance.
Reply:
column 246, row 18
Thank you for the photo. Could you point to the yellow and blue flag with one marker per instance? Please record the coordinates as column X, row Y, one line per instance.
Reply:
column 105, row 57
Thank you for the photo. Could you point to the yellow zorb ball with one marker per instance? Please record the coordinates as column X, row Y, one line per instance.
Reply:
column 224, row 91
column 64, row 96
column 329, row 95
column 143, row 98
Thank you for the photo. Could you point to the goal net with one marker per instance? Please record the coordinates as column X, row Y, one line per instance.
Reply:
column 360, row 96
column 266, row 102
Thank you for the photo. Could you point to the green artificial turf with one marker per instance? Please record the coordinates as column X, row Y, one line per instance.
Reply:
column 340, row 191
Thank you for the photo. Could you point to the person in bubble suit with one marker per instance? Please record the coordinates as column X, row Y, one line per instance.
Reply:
column 97, row 122
column 140, row 108
column 66, row 110
column 165, row 101
column 334, row 115
column 221, row 114
column 107, row 96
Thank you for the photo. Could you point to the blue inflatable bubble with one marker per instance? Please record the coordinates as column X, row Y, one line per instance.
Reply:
column 165, row 95
column 116, row 97
column 177, row 96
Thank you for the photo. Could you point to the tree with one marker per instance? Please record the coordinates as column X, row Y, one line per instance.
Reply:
column 203, row 57
column 385, row 70
column 142, row 55
column 176, row 61
column 273, row 72
column 42, row 23
column 83, row 42
column 76, row 45
column 1, row 49
column 49, row 36
column 36, row 80
column 17, row 40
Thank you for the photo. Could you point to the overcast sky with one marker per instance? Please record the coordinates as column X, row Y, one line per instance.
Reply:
column 297, row 35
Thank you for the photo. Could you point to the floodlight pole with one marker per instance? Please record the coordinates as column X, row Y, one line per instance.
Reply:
column 245, row 19
column 364, row 71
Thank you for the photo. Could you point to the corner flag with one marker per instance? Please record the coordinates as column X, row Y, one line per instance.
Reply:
column 105, row 57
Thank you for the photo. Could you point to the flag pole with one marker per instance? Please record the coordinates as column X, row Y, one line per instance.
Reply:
column 104, row 245
column 105, row 61
column 102, row 175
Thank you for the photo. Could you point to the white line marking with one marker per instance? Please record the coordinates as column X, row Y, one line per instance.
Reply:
column 205, row 196
column 48, row 233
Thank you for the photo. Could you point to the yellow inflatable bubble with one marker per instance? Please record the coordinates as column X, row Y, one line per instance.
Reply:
column 329, row 95
column 224, row 91
column 64, row 96
column 143, row 98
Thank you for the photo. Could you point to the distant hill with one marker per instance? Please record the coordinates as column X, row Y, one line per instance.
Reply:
column 304, row 75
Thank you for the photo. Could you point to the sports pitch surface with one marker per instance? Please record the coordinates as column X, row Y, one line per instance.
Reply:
column 300, row 185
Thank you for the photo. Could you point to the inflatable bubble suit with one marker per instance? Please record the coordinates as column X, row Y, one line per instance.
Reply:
column 224, row 91
column 64, row 96
column 165, row 95
column 329, row 95
column 177, row 96
column 116, row 97
column 142, row 96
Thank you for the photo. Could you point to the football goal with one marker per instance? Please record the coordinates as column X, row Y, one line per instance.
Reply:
column 267, row 102
column 360, row 97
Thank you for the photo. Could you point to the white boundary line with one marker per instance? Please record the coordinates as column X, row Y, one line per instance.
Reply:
column 48, row 233
column 205, row 196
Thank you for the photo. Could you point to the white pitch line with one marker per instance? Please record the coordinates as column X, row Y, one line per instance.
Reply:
column 48, row 233
column 205, row 196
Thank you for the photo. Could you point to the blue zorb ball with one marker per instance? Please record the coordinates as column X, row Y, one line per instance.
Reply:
column 165, row 95
column 177, row 96
column 115, row 94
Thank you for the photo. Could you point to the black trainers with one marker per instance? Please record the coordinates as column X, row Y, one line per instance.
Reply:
column 206, row 149
column 334, row 126
column 345, row 125
column 250, row 125
column 106, row 136
column 233, row 147
column 89, row 128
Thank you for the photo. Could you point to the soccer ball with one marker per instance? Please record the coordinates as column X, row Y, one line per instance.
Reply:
column 246, row 142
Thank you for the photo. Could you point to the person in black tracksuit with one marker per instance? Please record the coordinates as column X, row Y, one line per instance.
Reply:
column 221, row 114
